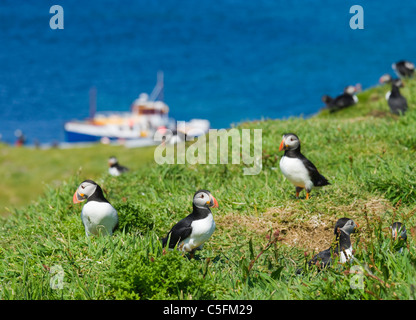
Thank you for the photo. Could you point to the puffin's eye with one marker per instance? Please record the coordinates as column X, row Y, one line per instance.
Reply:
column 202, row 196
column 83, row 187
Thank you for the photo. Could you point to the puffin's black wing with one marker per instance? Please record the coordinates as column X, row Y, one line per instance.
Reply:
column 318, row 179
column 179, row 232
column 322, row 259
column 342, row 101
column 121, row 168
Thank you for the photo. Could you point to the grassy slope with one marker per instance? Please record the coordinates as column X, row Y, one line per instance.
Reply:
column 367, row 154
column 27, row 172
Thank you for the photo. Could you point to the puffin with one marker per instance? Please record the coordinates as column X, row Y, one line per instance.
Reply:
column 297, row 168
column 399, row 235
column 397, row 103
column 342, row 246
column 190, row 233
column 403, row 68
column 114, row 168
column 346, row 99
column 98, row 215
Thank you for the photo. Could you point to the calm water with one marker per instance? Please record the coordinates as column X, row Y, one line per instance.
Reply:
column 226, row 61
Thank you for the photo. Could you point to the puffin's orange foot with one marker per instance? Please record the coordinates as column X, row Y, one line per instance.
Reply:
column 307, row 195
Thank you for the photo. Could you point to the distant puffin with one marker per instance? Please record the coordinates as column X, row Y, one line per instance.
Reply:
column 399, row 235
column 97, row 215
column 397, row 103
column 342, row 247
column 297, row 168
column 114, row 168
column 348, row 98
column 190, row 233
column 403, row 68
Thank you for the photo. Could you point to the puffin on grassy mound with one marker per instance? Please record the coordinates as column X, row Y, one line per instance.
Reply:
column 346, row 99
column 114, row 168
column 403, row 68
column 297, row 168
column 341, row 247
column 190, row 233
column 98, row 215
column 397, row 103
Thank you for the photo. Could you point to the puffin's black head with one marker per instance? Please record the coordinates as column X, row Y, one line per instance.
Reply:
column 349, row 227
column 290, row 141
column 397, row 83
column 204, row 199
column 351, row 90
column 339, row 224
column 385, row 78
column 85, row 190
column 112, row 161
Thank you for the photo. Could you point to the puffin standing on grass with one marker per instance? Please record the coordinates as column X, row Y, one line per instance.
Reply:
column 98, row 215
column 342, row 246
column 190, row 233
column 297, row 168
column 397, row 103
column 114, row 168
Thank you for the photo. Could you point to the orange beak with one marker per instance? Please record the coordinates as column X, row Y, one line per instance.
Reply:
column 76, row 198
column 282, row 145
column 215, row 205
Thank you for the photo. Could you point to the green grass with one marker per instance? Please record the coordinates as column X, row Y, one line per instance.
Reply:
column 26, row 173
column 262, row 230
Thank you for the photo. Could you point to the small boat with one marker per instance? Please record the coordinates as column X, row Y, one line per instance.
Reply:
column 147, row 115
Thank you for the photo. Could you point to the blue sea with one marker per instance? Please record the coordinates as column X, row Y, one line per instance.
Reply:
column 227, row 61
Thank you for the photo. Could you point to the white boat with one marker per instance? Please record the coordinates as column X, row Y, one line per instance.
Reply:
column 147, row 115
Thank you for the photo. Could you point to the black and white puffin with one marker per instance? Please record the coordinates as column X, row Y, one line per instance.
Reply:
column 346, row 99
column 403, row 68
column 114, row 168
column 190, row 233
column 297, row 168
column 342, row 246
column 397, row 103
column 399, row 235
column 98, row 215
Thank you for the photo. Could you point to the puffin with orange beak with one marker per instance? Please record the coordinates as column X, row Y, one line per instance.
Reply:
column 98, row 215
column 297, row 168
column 190, row 233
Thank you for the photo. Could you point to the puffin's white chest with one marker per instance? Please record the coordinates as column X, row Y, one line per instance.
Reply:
column 202, row 230
column 295, row 171
column 113, row 171
column 99, row 217
column 346, row 255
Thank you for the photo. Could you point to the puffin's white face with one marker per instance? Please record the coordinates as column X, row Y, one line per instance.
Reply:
column 84, row 191
column 409, row 65
column 350, row 90
column 204, row 199
column 349, row 227
column 398, row 83
column 112, row 161
column 290, row 141
column 385, row 78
